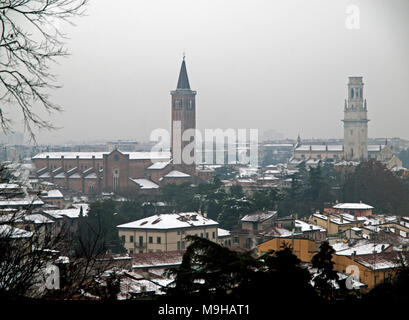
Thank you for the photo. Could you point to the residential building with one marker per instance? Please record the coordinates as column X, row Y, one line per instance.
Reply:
column 165, row 232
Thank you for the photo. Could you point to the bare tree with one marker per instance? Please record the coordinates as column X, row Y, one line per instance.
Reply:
column 30, row 41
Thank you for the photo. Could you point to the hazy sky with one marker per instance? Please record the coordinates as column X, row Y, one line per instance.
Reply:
column 279, row 65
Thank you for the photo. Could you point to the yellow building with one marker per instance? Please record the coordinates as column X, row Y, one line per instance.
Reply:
column 303, row 248
column 373, row 268
column 165, row 232
column 335, row 224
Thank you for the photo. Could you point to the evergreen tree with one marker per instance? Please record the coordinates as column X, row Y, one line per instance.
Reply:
column 326, row 277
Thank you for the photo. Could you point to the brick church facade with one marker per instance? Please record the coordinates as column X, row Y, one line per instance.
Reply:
column 123, row 172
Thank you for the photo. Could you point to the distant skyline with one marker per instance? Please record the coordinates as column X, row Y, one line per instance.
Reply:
column 270, row 65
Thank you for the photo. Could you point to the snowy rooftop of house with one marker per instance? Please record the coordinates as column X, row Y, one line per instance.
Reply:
column 379, row 261
column 223, row 232
column 145, row 183
column 176, row 174
column 9, row 186
column 248, row 171
column 70, row 213
column 359, row 248
column 99, row 155
column 273, row 231
column 11, row 232
column 259, row 216
column 21, row 202
column 307, row 226
column 170, row 221
column 352, row 206
column 156, row 259
column 159, row 165
column 53, row 194
column 346, row 163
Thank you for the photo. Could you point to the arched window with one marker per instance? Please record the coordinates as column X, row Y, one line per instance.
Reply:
column 178, row 104
column 115, row 179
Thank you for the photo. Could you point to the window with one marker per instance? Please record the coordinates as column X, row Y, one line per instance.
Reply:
column 115, row 179
column 352, row 93
column 183, row 244
column 123, row 239
column 236, row 240
column 190, row 104
column 131, row 239
column 352, row 132
column 178, row 104
column 140, row 241
column 178, row 245
column 248, row 243
column 178, row 233
column 207, row 235
column 150, row 240
column 158, row 240
column 254, row 225
column 201, row 235
column 213, row 235
column 131, row 251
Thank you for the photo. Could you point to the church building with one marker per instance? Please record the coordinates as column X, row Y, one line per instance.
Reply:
column 123, row 172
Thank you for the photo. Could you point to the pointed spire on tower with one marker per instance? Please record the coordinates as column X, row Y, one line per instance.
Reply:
column 183, row 82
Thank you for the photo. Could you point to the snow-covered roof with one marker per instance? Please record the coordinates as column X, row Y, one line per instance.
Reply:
column 170, row 221
column 352, row 206
column 21, row 202
column 307, row 226
column 9, row 186
column 223, row 232
column 320, row 147
column 70, row 213
column 145, row 183
column 346, row 163
column 259, row 216
column 92, row 175
column 53, row 194
column 75, row 176
column 176, row 174
column 359, row 248
column 159, row 165
column 7, row 231
column 99, row 155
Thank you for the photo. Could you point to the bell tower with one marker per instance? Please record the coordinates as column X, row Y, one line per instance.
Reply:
column 183, row 118
column 355, row 122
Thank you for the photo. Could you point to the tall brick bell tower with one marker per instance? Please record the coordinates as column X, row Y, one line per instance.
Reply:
column 183, row 117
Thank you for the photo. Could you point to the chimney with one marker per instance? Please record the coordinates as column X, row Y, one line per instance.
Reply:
column 78, row 162
column 48, row 162
column 62, row 163
column 93, row 162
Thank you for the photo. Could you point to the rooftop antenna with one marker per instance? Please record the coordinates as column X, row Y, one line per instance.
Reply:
column 184, row 54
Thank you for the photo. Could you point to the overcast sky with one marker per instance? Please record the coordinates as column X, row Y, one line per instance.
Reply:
column 279, row 65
